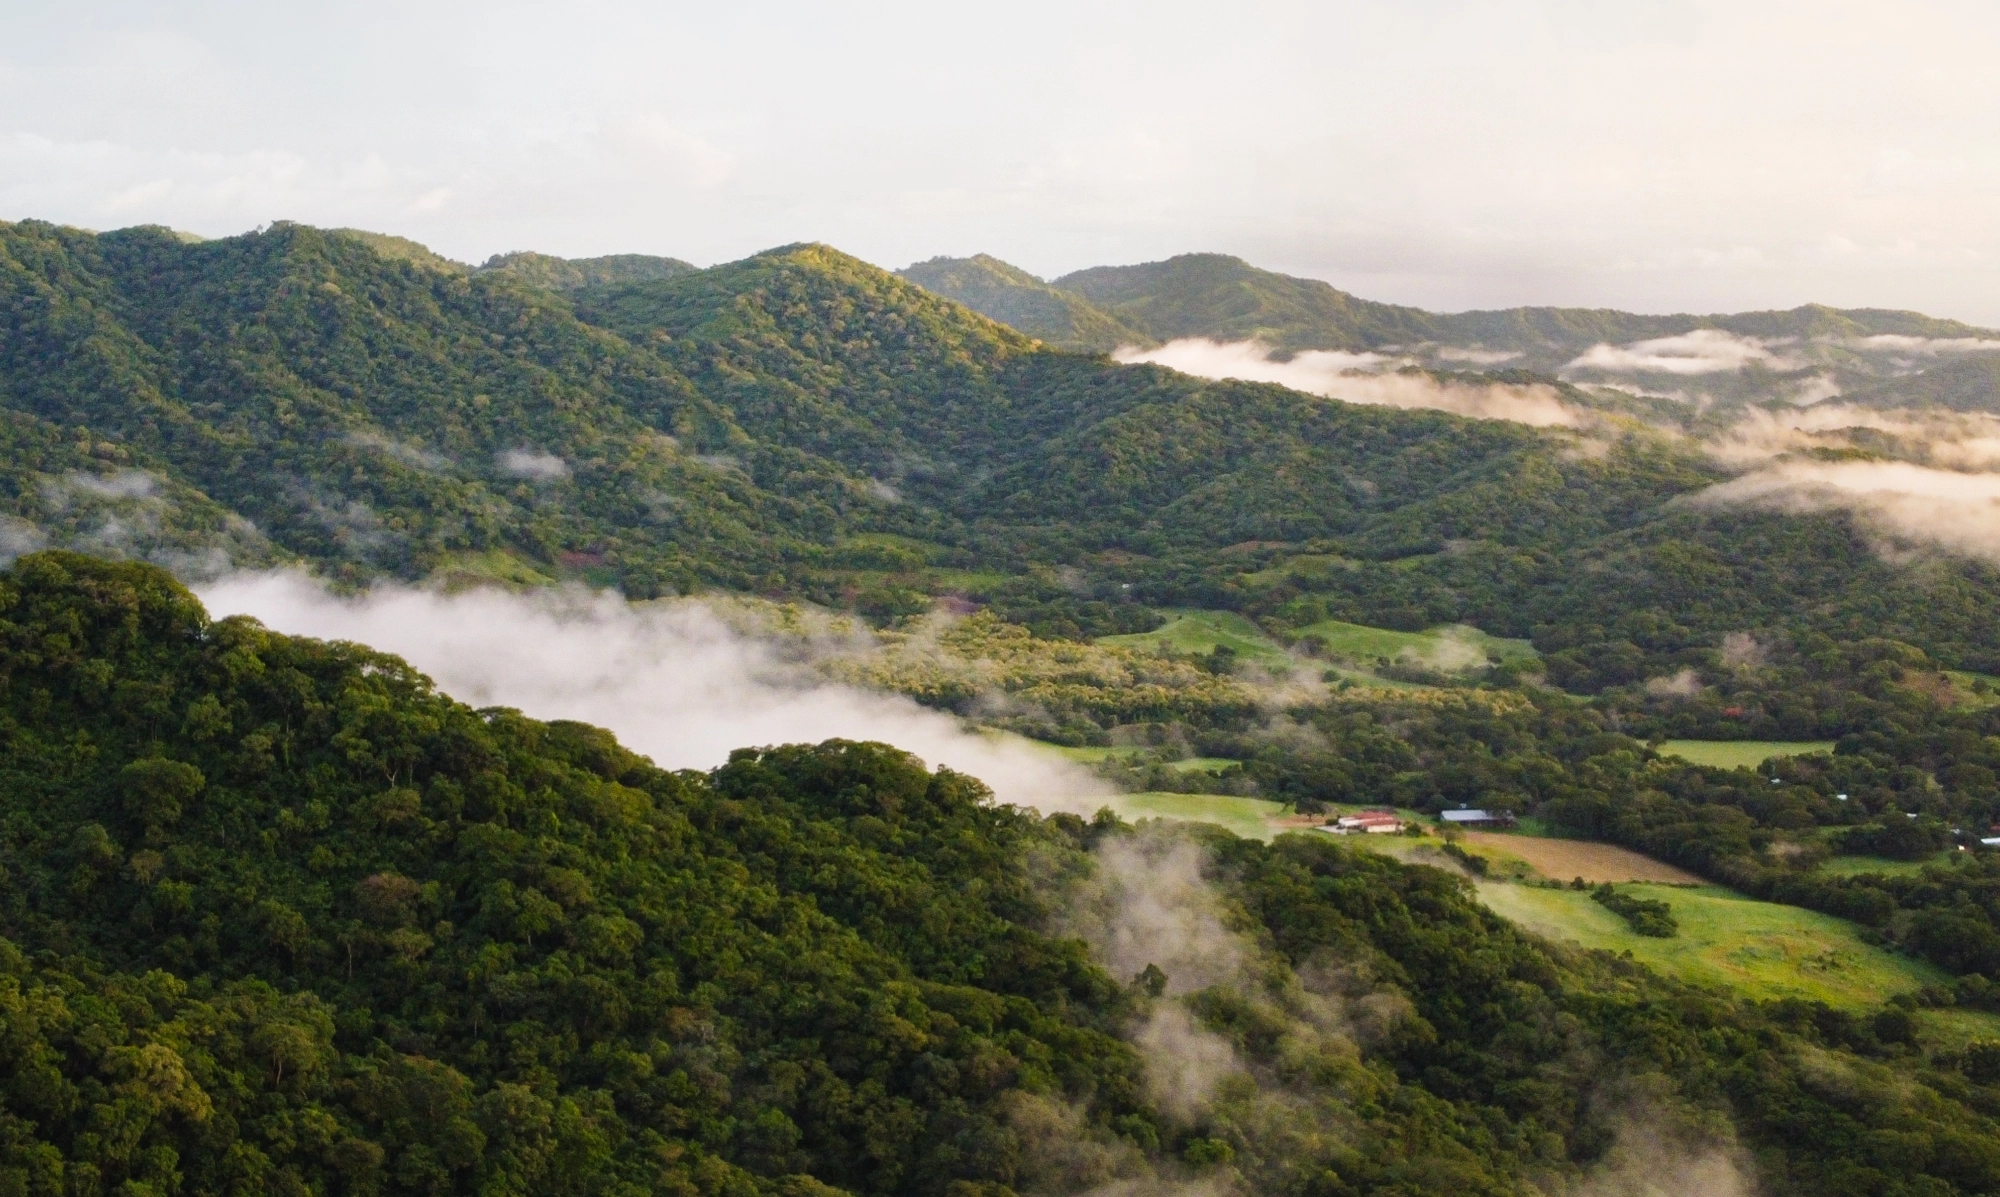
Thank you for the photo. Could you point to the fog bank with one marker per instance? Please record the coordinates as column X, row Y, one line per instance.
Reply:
column 672, row 680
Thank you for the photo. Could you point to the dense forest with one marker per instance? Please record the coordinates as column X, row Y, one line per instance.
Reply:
column 280, row 918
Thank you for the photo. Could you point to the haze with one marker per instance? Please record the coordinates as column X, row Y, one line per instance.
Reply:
column 1653, row 156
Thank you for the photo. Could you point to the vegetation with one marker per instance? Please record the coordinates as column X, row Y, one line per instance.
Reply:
column 1646, row 916
column 802, row 424
column 1020, row 300
column 280, row 918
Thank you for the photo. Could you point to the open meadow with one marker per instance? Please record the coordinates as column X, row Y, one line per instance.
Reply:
column 1760, row 949
column 1747, row 754
column 1450, row 647
column 1201, row 632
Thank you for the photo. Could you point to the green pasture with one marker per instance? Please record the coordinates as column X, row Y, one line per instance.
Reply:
column 1363, row 644
column 1761, row 950
column 1951, row 1029
column 1192, row 631
column 1748, row 754
column 1093, row 754
column 1245, row 817
column 1854, row 866
column 1202, row 764
column 493, row 565
column 1088, row 754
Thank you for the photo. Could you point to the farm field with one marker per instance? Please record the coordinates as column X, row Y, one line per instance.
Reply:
column 1762, row 950
column 1561, row 860
column 1454, row 646
column 1732, row 754
column 1192, row 631
column 1246, row 817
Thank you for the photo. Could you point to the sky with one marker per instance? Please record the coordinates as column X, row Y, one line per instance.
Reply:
column 1644, row 155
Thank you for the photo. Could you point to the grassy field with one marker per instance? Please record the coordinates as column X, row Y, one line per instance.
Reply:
column 1850, row 866
column 1561, row 860
column 1731, row 754
column 1760, row 949
column 1087, row 754
column 1453, row 646
column 1190, row 631
column 1247, row 817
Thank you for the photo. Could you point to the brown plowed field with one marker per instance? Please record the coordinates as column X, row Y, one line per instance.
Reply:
column 1561, row 860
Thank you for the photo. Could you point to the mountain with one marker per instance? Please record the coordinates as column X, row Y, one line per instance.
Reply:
column 295, row 395
column 1020, row 300
column 279, row 918
column 1225, row 298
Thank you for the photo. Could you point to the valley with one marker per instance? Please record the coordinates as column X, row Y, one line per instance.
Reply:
column 375, row 925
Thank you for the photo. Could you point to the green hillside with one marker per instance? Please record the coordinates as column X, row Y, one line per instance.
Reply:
column 1215, row 295
column 280, row 918
column 298, row 395
column 1020, row 300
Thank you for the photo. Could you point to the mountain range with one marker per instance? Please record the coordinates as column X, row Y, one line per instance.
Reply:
column 1868, row 355
column 802, row 423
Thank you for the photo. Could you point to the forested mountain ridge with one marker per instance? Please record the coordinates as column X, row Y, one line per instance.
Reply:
column 1872, row 356
column 279, row 918
column 753, row 425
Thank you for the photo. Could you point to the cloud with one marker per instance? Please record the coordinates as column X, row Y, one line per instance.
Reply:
column 1902, row 502
column 408, row 454
column 1958, row 440
column 1476, row 357
column 532, row 464
column 1703, row 351
column 1338, row 375
column 673, row 681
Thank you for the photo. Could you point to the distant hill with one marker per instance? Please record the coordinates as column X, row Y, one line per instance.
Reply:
column 1214, row 295
column 1869, row 356
column 1019, row 299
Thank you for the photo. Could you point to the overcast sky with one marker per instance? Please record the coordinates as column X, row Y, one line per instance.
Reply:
column 1654, row 156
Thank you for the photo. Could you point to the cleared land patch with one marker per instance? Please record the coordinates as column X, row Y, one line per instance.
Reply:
column 1192, row 631
column 1456, row 646
column 1732, row 754
column 1760, row 949
column 1250, row 818
column 1854, row 866
column 1562, row 860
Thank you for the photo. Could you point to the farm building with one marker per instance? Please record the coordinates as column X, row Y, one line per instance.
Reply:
column 1367, row 822
column 1476, row 818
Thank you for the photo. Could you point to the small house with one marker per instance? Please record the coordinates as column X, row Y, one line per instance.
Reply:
column 1476, row 818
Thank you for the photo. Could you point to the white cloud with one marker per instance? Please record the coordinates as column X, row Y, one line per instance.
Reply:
column 673, row 681
column 1345, row 376
column 1901, row 502
column 1703, row 351
column 532, row 464
column 1476, row 357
